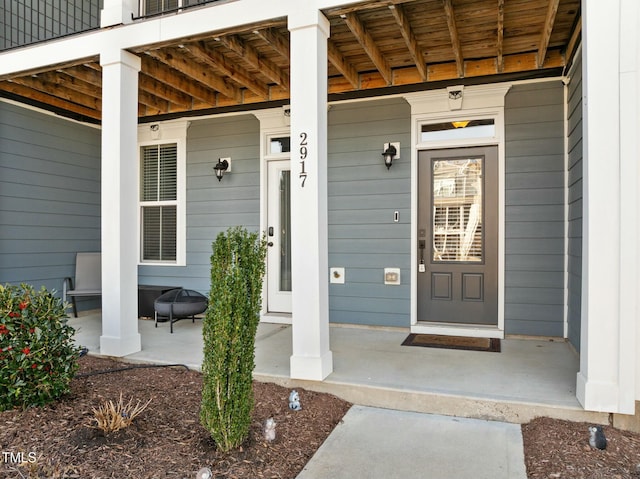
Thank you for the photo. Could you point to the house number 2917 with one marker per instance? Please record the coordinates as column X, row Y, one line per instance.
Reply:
column 303, row 156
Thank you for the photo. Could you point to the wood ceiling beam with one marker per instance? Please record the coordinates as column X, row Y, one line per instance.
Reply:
column 178, row 61
column 88, row 75
column 345, row 68
column 217, row 60
column 455, row 38
column 251, row 56
column 151, row 81
column 153, row 101
column 369, row 45
column 27, row 92
column 60, row 91
column 500, row 40
column 278, row 42
column 410, row 39
column 552, row 10
column 71, row 83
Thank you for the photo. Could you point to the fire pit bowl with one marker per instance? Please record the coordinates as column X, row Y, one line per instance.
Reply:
column 179, row 304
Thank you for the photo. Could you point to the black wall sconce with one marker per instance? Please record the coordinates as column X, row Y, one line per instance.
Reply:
column 223, row 166
column 391, row 151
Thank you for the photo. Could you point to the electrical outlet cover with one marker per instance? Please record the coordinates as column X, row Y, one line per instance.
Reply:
column 392, row 276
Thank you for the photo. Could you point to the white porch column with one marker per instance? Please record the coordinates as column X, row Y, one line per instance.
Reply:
column 119, row 203
column 606, row 381
column 116, row 12
column 312, row 358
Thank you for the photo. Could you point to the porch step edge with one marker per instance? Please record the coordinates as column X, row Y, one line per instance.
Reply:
column 438, row 403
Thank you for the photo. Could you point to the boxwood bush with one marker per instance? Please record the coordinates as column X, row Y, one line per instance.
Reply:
column 229, row 331
column 37, row 356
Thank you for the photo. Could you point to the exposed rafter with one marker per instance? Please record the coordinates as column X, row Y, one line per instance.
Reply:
column 345, row 68
column 410, row 39
column 552, row 10
column 59, row 91
column 72, row 84
column 156, row 78
column 252, row 57
column 455, row 39
column 369, row 45
column 152, row 101
column 83, row 73
column 54, row 101
column 500, row 40
column 215, row 59
column 176, row 60
column 278, row 42
column 374, row 44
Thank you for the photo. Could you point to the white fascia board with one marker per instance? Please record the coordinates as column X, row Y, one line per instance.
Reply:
column 53, row 52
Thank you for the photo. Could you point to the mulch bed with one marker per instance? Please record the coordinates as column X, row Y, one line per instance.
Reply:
column 560, row 449
column 166, row 440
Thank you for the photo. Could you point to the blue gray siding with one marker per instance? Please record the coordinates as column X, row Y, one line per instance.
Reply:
column 49, row 196
column 535, row 211
column 214, row 206
column 574, row 267
column 363, row 196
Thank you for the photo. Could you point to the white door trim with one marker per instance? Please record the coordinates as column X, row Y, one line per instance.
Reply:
column 474, row 102
column 274, row 122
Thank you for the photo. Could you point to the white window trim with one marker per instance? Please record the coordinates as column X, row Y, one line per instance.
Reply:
column 477, row 102
column 160, row 134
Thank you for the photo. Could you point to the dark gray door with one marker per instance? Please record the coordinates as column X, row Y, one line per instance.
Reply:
column 458, row 236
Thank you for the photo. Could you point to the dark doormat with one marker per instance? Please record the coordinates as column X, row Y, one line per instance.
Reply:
column 453, row 342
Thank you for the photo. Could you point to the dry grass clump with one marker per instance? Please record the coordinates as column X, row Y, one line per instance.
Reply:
column 111, row 417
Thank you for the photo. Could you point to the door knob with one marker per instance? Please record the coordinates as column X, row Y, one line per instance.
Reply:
column 270, row 243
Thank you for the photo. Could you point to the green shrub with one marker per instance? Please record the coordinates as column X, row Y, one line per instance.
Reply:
column 229, row 330
column 37, row 356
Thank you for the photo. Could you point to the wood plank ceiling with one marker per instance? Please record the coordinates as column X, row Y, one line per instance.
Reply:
column 373, row 44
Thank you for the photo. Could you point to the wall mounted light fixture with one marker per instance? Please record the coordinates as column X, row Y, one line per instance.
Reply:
column 223, row 166
column 391, row 151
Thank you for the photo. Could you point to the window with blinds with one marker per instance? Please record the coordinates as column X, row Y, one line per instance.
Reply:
column 158, row 202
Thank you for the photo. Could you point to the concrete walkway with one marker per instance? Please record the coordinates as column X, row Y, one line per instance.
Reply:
column 382, row 443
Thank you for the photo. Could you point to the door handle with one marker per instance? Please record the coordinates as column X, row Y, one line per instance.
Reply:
column 270, row 243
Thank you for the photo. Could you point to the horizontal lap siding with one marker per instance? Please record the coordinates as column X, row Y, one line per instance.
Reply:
column 363, row 196
column 534, row 210
column 212, row 206
column 574, row 279
column 49, row 196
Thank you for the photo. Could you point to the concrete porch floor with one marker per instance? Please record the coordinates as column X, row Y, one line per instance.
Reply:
column 529, row 378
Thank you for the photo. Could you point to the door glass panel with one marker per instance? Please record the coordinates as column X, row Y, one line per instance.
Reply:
column 285, row 230
column 457, row 210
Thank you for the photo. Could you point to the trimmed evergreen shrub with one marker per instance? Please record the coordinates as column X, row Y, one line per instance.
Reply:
column 229, row 331
column 37, row 356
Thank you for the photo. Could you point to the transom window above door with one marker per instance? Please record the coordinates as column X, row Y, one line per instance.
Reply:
column 458, row 130
column 279, row 144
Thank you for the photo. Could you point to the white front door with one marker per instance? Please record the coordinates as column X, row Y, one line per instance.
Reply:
column 278, row 236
